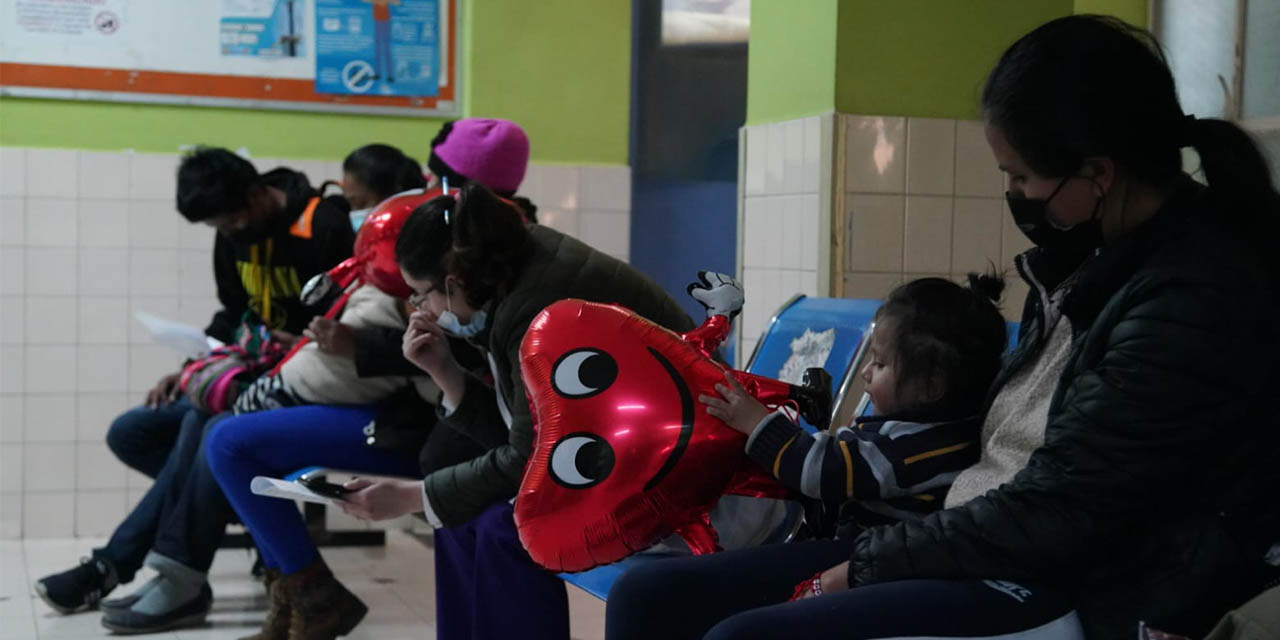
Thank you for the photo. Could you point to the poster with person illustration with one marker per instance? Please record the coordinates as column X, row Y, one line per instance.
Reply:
column 378, row 47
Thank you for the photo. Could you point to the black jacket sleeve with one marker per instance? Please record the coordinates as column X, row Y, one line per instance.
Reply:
column 1138, row 421
column 231, row 293
column 379, row 353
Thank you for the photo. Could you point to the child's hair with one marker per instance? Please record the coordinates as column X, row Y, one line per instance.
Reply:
column 1090, row 85
column 948, row 342
column 482, row 241
column 384, row 170
column 214, row 182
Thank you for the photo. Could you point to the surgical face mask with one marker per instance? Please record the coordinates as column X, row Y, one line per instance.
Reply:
column 358, row 216
column 450, row 323
column 1032, row 217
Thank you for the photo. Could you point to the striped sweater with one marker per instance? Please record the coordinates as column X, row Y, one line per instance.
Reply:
column 882, row 470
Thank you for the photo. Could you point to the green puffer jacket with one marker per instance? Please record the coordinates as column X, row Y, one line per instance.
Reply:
column 1154, row 495
column 561, row 267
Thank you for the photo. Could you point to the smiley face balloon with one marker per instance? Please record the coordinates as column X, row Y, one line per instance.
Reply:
column 624, row 454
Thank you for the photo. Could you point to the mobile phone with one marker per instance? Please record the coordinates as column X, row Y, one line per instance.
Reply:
column 327, row 489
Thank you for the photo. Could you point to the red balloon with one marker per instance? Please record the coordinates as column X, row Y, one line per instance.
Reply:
column 624, row 455
column 373, row 258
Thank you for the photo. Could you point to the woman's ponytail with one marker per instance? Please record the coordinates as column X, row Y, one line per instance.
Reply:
column 490, row 243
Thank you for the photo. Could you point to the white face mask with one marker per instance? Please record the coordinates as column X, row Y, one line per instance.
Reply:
column 450, row 323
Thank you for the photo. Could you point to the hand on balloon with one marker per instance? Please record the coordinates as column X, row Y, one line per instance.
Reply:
column 381, row 499
column 332, row 336
column 833, row 580
column 736, row 408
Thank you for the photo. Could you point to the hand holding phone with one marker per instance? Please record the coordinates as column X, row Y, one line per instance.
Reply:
column 327, row 489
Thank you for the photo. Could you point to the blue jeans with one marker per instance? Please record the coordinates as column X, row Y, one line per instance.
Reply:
column 276, row 443
column 163, row 444
column 142, row 437
column 742, row 594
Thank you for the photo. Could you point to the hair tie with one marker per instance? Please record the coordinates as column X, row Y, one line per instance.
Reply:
column 1186, row 135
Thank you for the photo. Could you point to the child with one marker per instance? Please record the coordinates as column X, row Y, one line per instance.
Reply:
column 935, row 350
column 374, row 173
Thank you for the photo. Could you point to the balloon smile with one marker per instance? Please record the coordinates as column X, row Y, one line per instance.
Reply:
column 686, row 420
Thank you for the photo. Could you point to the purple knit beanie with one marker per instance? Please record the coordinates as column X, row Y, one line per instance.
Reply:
column 492, row 152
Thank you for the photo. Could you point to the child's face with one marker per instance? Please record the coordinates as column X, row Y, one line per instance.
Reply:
column 879, row 371
column 358, row 195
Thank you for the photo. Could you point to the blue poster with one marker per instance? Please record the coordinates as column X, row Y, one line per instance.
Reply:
column 378, row 47
column 264, row 28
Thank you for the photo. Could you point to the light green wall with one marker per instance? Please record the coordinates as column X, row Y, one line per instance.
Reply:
column 1132, row 11
column 902, row 57
column 791, row 62
column 561, row 68
column 927, row 57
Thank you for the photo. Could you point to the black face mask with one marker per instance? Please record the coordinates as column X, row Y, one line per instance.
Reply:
column 1032, row 217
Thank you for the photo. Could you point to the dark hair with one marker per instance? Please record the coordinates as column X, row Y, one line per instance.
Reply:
column 948, row 341
column 483, row 241
column 213, row 182
column 384, row 169
column 1091, row 85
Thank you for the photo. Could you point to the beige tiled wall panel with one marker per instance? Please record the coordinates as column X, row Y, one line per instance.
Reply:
column 923, row 197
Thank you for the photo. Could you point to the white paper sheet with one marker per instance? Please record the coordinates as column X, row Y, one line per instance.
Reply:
column 189, row 341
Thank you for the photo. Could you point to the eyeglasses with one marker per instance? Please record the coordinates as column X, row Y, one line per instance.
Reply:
column 417, row 299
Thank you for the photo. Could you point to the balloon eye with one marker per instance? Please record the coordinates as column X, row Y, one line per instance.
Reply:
column 581, row 460
column 583, row 373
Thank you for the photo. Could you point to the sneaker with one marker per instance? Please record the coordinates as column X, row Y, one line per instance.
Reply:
column 80, row 588
column 191, row 614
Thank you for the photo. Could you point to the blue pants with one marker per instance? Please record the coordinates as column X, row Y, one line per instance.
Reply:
column 382, row 50
column 161, row 443
column 488, row 588
column 740, row 595
column 276, row 443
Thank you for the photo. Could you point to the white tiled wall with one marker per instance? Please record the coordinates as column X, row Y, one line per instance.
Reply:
column 89, row 238
column 780, row 219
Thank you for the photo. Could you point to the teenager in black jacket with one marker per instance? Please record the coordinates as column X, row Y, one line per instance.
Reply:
column 274, row 233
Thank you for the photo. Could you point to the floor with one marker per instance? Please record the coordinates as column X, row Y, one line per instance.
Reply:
column 396, row 582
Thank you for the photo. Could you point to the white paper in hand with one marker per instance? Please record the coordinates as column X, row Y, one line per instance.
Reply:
column 187, row 340
column 276, row 488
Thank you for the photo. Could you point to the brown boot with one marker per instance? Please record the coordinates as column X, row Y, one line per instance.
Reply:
column 321, row 608
column 276, row 626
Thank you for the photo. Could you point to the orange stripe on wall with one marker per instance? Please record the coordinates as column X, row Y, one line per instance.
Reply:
column 216, row 85
column 194, row 84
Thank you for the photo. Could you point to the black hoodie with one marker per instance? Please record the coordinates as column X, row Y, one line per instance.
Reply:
column 295, row 251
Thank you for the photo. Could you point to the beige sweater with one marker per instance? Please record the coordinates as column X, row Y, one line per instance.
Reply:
column 1016, row 422
column 323, row 378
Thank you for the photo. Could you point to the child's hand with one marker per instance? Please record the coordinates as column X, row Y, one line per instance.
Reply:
column 332, row 336
column 736, row 408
